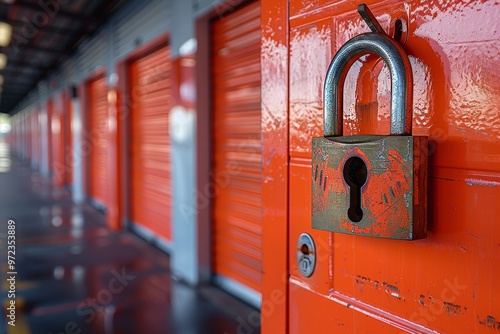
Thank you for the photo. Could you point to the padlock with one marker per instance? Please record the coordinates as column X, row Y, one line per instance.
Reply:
column 370, row 185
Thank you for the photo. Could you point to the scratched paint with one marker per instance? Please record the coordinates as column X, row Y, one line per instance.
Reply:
column 490, row 322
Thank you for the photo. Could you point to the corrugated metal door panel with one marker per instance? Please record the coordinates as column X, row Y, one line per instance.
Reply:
column 32, row 137
column 29, row 135
column 237, row 207
column 48, row 133
column 98, row 133
column 68, row 151
column 151, row 95
column 39, row 138
column 55, row 128
column 36, row 140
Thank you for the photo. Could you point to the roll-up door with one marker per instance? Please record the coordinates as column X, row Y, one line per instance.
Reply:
column 29, row 136
column 151, row 101
column 36, row 138
column 237, row 207
column 48, row 128
column 98, row 135
column 68, row 133
column 56, row 130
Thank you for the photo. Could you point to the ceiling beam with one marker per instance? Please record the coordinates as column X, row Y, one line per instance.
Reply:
column 99, row 18
column 18, row 69
column 13, row 93
column 9, row 78
column 12, row 100
column 10, row 96
column 8, row 100
column 17, row 72
column 30, row 47
column 45, row 29
column 9, row 103
column 22, row 63
column 13, row 87
column 53, row 11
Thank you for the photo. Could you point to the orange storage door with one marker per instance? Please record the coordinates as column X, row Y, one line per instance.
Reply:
column 68, row 145
column 448, row 282
column 29, row 134
column 237, row 170
column 36, row 140
column 98, row 134
column 56, row 129
column 151, row 101
column 50, row 153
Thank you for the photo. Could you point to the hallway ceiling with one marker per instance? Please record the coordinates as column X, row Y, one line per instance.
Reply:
column 44, row 34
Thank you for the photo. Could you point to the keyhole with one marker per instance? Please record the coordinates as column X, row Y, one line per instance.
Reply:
column 355, row 175
column 304, row 249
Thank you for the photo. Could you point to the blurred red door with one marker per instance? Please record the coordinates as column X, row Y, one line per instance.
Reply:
column 98, row 140
column 150, row 102
column 68, row 138
column 237, row 148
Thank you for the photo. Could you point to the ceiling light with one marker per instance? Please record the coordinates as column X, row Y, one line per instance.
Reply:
column 5, row 33
column 3, row 60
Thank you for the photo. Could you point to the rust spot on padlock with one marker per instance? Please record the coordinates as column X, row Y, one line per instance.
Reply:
column 383, row 194
column 393, row 217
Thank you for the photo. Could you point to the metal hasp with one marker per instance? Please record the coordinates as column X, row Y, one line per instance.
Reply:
column 370, row 185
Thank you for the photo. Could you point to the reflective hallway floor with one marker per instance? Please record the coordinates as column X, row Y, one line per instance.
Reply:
column 74, row 275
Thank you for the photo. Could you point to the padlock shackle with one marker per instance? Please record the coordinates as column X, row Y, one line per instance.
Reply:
column 396, row 59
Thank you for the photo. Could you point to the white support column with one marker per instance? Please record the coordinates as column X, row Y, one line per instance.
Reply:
column 78, row 149
column 184, row 257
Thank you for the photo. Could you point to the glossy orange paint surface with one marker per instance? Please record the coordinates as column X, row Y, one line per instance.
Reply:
column 275, row 164
column 448, row 282
column 150, row 102
column 97, row 136
column 237, row 149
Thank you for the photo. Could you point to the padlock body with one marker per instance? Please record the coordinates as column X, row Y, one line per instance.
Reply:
column 393, row 198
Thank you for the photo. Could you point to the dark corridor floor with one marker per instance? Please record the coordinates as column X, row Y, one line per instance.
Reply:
column 74, row 275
